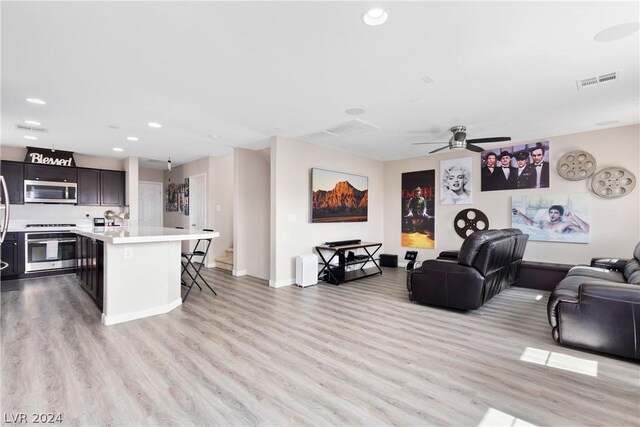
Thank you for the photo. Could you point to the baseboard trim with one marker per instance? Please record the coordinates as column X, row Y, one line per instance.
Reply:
column 281, row 283
column 120, row 318
column 211, row 265
column 238, row 272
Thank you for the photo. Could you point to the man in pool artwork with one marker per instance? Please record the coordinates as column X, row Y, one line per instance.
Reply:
column 558, row 222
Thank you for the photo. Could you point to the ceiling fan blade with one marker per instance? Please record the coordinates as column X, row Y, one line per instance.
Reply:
column 475, row 148
column 438, row 149
column 494, row 139
column 422, row 143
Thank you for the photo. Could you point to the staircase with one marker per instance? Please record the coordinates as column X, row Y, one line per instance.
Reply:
column 225, row 262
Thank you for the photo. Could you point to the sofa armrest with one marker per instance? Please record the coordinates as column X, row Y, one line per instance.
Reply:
column 601, row 316
column 609, row 263
column 446, row 283
column 451, row 255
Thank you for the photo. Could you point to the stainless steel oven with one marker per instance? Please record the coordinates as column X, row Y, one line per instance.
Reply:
column 50, row 192
column 49, row 251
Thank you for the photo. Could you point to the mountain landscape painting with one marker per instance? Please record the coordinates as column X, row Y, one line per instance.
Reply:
column 338, row 197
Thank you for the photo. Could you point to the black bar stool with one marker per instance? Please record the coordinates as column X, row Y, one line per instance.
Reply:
column 200, row 249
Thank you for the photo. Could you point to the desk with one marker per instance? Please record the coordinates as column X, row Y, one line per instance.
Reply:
column 336, row 273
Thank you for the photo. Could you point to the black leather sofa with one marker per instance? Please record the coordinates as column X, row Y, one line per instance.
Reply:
column 597, row 307
column 487, row 262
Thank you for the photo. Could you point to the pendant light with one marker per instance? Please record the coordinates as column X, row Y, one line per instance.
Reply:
column 169, row 164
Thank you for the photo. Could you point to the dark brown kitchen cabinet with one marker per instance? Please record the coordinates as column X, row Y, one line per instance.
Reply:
column 13, row 173
column 90, row 267
column 112, row 188
column 88, row 186
column 98, row 187
column 11, row 250
column 49, row 173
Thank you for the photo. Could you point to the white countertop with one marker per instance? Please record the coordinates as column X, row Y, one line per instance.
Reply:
column 124, row 235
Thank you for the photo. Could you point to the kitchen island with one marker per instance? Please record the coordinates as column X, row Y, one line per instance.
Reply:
column 141, row 269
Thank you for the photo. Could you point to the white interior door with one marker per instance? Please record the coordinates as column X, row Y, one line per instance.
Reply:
column 197, row 204
column 150, row 204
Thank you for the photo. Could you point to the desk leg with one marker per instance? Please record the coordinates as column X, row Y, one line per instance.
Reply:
column 326, row 266
column 372, row 259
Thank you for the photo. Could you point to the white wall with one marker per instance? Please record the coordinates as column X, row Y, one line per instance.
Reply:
column 252, row 199
column 132, row 191
column 292, row 232
column 18, row 153
column 151, row 175
column 615, row 223
column 221, row 185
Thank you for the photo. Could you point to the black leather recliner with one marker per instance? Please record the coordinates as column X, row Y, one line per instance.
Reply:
column 488, row 262
column 598, row 308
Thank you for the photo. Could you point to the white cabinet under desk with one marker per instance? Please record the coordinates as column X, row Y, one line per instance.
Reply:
column 141, row 269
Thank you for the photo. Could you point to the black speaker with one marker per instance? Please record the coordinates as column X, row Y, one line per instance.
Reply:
column 388, row 260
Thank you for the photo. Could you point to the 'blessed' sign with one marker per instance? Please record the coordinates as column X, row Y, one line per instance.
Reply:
column 49, row 157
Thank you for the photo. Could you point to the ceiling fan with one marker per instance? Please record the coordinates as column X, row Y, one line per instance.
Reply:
column 458, row 140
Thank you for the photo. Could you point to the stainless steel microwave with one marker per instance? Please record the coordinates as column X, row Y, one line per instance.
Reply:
column 50, row 192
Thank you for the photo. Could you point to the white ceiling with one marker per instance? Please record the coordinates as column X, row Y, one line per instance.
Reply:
column 219, row 75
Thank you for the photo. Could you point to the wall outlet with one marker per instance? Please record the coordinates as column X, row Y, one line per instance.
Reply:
column 128, row 253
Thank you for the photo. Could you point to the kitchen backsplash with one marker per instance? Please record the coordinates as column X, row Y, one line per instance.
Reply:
column 53, row 213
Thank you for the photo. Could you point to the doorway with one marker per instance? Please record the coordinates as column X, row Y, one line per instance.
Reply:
column 197, row 204
column 150, row 204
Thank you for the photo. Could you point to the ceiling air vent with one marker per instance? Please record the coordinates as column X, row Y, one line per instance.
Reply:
column 30, row 128
column 607, row 77
column 321, row 136
column 594, row 81
column 353, row 127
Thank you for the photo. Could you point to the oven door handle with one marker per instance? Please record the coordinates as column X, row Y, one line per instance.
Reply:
column 50, row 240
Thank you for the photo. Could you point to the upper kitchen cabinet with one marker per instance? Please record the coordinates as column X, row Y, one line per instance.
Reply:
column 88, row 186
column 13, row 173
column 112, row 188
column 100, row 187
column 49, row 173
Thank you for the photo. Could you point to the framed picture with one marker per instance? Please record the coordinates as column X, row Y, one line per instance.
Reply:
column 552, row 218
column 338, row 196
column 455, row 181
column 516, row 167
column 418, row 209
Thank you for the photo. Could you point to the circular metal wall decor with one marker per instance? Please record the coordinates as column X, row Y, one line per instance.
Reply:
column 613, row 182
column 576, row 165
column 469, row 221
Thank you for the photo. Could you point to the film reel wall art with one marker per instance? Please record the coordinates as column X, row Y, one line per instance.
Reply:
column 468, row 221
column 608, row 183
column 614, row 182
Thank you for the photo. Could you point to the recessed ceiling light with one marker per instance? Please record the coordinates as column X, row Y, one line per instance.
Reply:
column 617, row 32
column 375, row 17
column 428, row 79
column 354, row 111
column 113, row 126
column 36, row 101
column 33, row 138
column 32, row 122
column 154, row 125
column 132, row 138
column 117, row 149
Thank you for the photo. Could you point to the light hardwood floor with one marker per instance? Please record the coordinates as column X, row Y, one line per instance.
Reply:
column 356, row 354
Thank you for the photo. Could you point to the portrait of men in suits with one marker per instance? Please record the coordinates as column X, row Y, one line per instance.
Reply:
column 540, row 166
column 526, row 176
column 507, row 175
column 488, row 172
